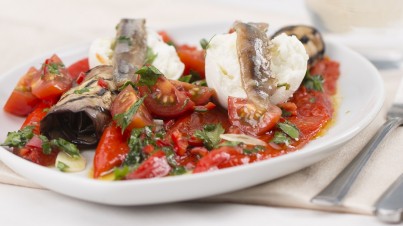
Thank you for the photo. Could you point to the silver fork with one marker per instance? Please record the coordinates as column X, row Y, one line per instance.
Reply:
column 334, row 193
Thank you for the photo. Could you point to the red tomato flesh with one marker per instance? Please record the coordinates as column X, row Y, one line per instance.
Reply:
column 123, row 101
column 53, row 81
column 193, row 59
column 78, row 67
column 22, row 101
column 111, row 150
column 155, row 166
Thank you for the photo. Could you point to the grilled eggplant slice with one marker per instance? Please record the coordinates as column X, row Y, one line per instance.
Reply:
column 82, row 112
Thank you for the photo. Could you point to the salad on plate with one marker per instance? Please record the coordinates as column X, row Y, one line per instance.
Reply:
column 151, row 107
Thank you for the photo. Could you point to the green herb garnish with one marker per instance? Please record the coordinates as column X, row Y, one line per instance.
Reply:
column 185, row 78
column 210, row 134
column 289, row 129
column 280, row 138
column 69, row 148
column 148, row 75
column 62, row 166
column 255, row 149
column 170, row 155
column 46, row 149
column 204, row 43
column 53, row 68
column 122, row 39
column 81, row 91
column 313, row 82
column 121, row 172
column 286, row 85
column 125, row 118
column 19, row 138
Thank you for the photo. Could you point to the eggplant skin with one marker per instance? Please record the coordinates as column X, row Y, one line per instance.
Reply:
column 83, row 112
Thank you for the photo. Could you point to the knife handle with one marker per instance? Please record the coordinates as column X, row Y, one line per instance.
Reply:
column 389, row 207
column 334, row 193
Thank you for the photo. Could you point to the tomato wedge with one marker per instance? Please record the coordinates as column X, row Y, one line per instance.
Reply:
column 53, row 81
column 222, row 157
column 78, row 67
column 111, row 150
column 35, row 117
column 155, row 166
column 193, row 59
column 164, row 100
column 198, row 94
column 250, row 120
column 22, row 101
column 35, row 155
column 125, row 100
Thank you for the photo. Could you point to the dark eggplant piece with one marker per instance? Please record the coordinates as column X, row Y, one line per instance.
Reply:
column 82, row 112
column 310, row 37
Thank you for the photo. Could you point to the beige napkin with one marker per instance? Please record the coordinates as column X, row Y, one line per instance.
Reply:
column 294, row 190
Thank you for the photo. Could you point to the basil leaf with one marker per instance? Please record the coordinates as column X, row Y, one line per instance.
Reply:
column 204, row 43
column 289, row 129
column 67, row 147
column 280, row 138
column 125, row 118
column 19, row 138
column 185, row 78
column 210, row 134
column 148, row 75
column 313, row 82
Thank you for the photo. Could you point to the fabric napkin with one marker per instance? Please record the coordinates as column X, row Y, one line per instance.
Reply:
column 294, row 190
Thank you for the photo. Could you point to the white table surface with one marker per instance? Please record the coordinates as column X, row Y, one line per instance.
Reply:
column 29, row 28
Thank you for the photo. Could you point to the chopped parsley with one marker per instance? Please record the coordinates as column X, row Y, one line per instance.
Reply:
column 81, row 91
column 170, row 155
column 210, row 134
column 121, row 172
column 148, row 75
column 19, row 138
column 191, row 78
column 150, row 57
column 69, row 148
column 280, row 138
column 204, row 43
column 46, row 149
column 313, row 82
column 125, row 118
column 289, row 129
column 255, row 149
column 53, row 68
column 62, row 166
column 127, row 83
column 285, row 113
column 200, row 83
column 123, row 39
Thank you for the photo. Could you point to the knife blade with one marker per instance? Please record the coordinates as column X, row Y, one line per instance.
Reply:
column 389, row 207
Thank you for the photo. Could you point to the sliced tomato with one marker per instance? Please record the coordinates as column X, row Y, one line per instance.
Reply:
column 53, row 81
column 35, row 117
column 111, row 150
column 164, row 100
column 198, row 94
column 222, row 157
column 196, row 121
column 155, row 166
column 126, row 99
column 33, row 152
column 180, row 142
column 22, row 101
column 78, row 67
column 193, row 59
column 251, row 120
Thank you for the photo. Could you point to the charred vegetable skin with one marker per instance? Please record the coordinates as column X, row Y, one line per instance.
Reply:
column 310, row 37
column 82, row 112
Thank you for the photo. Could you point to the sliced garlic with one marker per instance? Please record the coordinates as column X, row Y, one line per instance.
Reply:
column 66, row 163
column 246, row 139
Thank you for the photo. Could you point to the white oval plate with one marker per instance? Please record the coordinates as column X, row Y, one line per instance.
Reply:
column 360, row 89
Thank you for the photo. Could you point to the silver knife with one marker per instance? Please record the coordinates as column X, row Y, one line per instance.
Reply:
column 389, row 207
